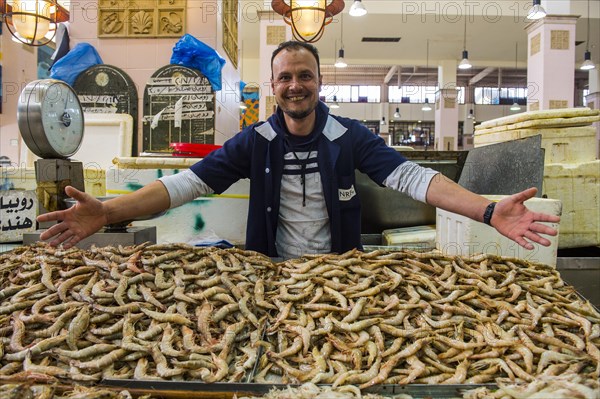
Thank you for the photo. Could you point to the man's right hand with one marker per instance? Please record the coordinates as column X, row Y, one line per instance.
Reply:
column 83, row 219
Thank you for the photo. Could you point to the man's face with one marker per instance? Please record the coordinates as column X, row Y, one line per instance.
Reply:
column 296, row 82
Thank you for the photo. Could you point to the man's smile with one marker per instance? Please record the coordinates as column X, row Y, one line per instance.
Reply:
column 296, row 98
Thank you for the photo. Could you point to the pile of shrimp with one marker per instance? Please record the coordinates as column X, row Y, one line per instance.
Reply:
column 177, row 312
column 406, row 317
column 147, row 312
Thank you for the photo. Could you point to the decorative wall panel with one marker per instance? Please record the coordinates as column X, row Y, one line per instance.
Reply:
column 141, row 18
column 536, row 44
column 558, row 104
column 275, row 35
column 559, row 39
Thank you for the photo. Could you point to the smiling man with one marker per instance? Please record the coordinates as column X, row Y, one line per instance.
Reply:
column 301, row 164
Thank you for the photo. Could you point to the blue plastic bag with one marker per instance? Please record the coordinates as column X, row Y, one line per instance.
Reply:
column 192, row 53
column 80, row 58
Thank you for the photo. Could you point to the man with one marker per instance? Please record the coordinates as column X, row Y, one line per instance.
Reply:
column 301, row 165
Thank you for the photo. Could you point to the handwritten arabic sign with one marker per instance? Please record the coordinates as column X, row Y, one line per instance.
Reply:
column 179, row 107
column 17, row 214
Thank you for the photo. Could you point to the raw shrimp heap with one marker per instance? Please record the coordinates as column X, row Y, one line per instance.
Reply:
column 204, row 314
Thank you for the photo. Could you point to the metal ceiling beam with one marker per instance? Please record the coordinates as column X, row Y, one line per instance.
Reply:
column 481, row 75
column 390, row 74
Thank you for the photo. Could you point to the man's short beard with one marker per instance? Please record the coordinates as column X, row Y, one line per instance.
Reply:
column 299, row 114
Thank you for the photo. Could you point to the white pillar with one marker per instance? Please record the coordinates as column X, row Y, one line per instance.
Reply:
column 446, row 108
column 273, row 31
column 468, row 126
column 551, row 62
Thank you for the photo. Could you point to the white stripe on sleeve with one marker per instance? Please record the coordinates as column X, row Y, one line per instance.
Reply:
column 183, row 187
column 412, row 179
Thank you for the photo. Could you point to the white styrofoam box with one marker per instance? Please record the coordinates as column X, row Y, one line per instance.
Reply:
column 562, row 145
column 577, row 186
column 459, row 235
column 207, row 218
column 415, row 238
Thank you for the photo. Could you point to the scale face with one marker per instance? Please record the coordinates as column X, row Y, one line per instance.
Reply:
column 50, row 119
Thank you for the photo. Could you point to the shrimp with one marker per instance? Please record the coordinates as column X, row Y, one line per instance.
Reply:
column 78, row 326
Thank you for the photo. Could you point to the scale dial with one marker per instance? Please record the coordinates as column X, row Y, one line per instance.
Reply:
column 50, row 118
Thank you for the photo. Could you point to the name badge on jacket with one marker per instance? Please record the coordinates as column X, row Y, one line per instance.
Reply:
column 347, row 195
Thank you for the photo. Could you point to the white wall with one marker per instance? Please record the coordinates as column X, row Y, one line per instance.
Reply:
column 139, row 58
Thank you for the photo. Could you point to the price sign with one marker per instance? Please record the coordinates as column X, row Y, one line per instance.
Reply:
column 18, row 210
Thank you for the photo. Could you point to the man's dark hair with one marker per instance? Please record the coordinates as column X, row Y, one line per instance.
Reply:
column 294, row 45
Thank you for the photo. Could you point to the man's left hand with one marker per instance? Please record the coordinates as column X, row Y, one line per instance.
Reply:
column 512, row 219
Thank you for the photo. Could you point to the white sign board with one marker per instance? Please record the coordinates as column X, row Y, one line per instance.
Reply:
column 18, row 210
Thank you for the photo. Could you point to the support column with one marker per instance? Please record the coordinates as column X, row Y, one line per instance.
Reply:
column 468, row 126
column 593, row 102
column 446, row 108
column 551, row 62
column 273, row 31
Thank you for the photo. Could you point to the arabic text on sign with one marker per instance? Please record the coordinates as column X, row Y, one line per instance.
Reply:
column 14, row 205
column 166, row 116
column 179, row 81
column 165, row 90
column 18, row 210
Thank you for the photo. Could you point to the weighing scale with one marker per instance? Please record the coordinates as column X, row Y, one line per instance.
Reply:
column 50, row 120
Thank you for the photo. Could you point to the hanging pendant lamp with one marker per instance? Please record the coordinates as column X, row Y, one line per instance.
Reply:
column 307, row 17
column 32, row 22
column 536, row 11
column 357, row 9
column 587, row 58
column 426, row 106
column 465, row 63
column 516, row 106
column 340, row 62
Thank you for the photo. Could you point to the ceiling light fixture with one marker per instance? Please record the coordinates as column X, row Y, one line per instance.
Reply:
column 426, row 106
column 357, row 9
column 33, row 22
column 588, row 63
column 536, row 11
column 307, row 17
column 587, row 58
column 334, row 104
column 340, row 62
column 397, row 113
column 465, row 63
column 516, row 106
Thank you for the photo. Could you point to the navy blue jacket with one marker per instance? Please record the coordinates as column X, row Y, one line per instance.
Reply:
column 257, row 153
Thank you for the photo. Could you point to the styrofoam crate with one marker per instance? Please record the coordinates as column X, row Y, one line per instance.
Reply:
column 459, row 235
column 562, row 145
column 414, row 238
column 577, row 186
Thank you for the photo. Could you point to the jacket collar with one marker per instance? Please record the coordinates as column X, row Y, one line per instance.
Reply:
column 333, row 129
